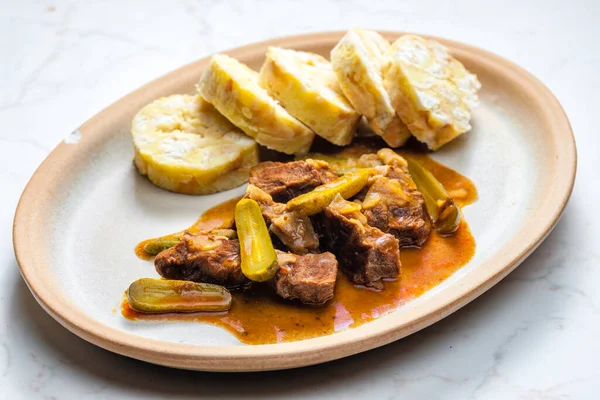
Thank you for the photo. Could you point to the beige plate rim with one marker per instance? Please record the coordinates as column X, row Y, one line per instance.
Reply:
column 34, row 211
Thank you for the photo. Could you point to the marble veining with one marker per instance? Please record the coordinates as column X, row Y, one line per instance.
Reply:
column 534, row 336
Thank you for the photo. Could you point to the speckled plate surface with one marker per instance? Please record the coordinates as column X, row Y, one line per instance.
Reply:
column 86, row 208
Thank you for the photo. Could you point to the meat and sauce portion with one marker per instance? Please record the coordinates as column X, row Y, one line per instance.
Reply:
column 365, row 253
column 356, row 258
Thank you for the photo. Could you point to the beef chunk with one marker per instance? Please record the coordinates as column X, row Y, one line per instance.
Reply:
column 284, row 181
column 309, row 278
column 393, row 204
column 365, row 253
column 397, row 209
column 203, row 258
column 295, row 232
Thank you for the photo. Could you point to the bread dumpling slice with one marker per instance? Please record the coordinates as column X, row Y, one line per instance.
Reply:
column 184, row 145
column 306, row 86
column 234, row 90
column 358, row 61
column 431, row 91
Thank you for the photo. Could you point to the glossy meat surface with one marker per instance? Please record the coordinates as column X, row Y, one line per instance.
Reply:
column 364, row 253
column 284, row 181
column 393, row 204
column 399, row 209
column 203, row 258
column 308, row 278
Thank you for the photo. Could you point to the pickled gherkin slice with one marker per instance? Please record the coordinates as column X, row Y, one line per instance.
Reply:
column 347, row 186
column 155, row 246
column 442, row 209
column 155, row 296
column 259, row 261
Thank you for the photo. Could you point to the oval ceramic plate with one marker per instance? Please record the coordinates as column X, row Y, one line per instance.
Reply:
column 86, row 207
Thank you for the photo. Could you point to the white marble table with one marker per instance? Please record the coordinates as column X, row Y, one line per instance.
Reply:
column 535, row 335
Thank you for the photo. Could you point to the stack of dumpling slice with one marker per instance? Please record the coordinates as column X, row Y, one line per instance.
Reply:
column 412, row 87
column 358, row 61
column 295, row 96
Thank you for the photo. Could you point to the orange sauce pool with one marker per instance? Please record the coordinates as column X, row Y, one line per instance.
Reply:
column 259, row 316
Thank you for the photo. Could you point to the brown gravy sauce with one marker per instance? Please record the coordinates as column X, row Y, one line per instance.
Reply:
column 259, row 316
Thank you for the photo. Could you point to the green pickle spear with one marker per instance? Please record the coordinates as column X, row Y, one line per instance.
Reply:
column 259, row 260
column 444, row 212
column 155, row 246
column 346, row 185
column 155, row 296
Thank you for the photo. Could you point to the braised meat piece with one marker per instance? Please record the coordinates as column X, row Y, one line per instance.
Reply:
column 295, row 232
column 309, row 278
column 203, row 258
column 365, row 253
column 393, row 204
column 284, row 181
column 397, row 209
